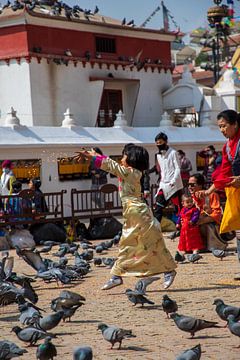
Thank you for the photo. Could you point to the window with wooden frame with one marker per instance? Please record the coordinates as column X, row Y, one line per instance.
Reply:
column 105, row 45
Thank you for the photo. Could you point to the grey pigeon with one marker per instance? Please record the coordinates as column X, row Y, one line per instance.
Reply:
column 6, row 266
column 220, row 254
column 191, row 354
column 191, row 324
column 179, row 257
column 137, row 298
column 141, row 285
column 169, row 305
column 31, row 258
column 68, row 302
column 233, row 325
column 224, row 310
column 109, row 261
column 114, row 334
column 68, row 313
column 29, row 314
column 51, row 321
column 9, row 350
column 83, row 353
column 30, row 334
column 10, row 293
column 97, row 261
column 73, row 296
column 47, row 350
column 194, row 258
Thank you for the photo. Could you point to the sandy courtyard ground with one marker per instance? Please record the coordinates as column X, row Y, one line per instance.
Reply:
column 195, row 288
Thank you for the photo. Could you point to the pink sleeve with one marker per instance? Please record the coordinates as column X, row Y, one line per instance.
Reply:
column 97, row 160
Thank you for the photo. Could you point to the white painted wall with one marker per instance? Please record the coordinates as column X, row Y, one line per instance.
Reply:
column 41, row 92
column 15, row 91
column 49, row 143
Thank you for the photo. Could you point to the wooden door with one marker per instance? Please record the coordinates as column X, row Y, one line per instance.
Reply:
column 110, row 105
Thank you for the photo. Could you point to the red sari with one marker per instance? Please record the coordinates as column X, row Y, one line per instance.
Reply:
column 190, row 237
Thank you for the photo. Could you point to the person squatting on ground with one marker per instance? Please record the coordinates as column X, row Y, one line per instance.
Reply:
column 142, row 250
column 170, row 185
column 211, row 213
column 190, row 238
column 229, row 176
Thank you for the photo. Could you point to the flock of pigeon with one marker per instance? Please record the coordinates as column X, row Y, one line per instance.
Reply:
column 19, row 289
column 36, row 326
column 58, row 8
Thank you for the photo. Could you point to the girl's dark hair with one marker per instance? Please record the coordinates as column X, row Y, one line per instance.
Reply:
column 36, row 183
column 231, row 117
column 17, row 186
column 98, row 150
column 137, row 157
column 126, row 147
column 200, row 178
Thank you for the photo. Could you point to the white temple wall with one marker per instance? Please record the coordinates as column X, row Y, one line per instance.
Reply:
column 43, row 91
column 15, row 90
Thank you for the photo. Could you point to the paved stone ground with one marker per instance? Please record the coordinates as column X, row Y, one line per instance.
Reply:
column 195, row 288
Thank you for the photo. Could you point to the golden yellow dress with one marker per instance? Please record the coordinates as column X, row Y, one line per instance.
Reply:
column 142, row 250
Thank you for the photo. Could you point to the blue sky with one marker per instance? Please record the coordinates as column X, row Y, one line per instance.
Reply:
column 189, row 14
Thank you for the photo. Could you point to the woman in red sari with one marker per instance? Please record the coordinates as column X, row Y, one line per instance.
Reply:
column 229, row 176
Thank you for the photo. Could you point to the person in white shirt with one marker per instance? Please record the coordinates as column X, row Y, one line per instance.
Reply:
column 170, row 185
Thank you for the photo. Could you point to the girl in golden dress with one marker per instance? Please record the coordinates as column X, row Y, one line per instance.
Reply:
column 142, row 250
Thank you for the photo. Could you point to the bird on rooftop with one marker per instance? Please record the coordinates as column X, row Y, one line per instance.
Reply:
column 123, row 21
column 96, row 10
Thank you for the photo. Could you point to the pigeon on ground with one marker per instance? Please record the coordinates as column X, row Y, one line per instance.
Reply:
column 137, row 298
column 51, row 321
column 30, row 334
column 191, row 324
column 83, row 353
column 33, row 259
column 9, row 350
column 224, row 310
column 141, row 285
column 6, row 267
column 117, row 238
column 10, row 294
column 68, row 313
column 97, row 261
column 233, row 325
column 220, row 254
column 99, row 249
column 68, row 302
column 114, row 334
column 46, row 351
column 30, row 314
column 109, row 261
column 45, row 249
column 175, row 234
column 169, row 305
column 75, row 297
column 191, row 354
column 194, row 258
column 179, row 257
